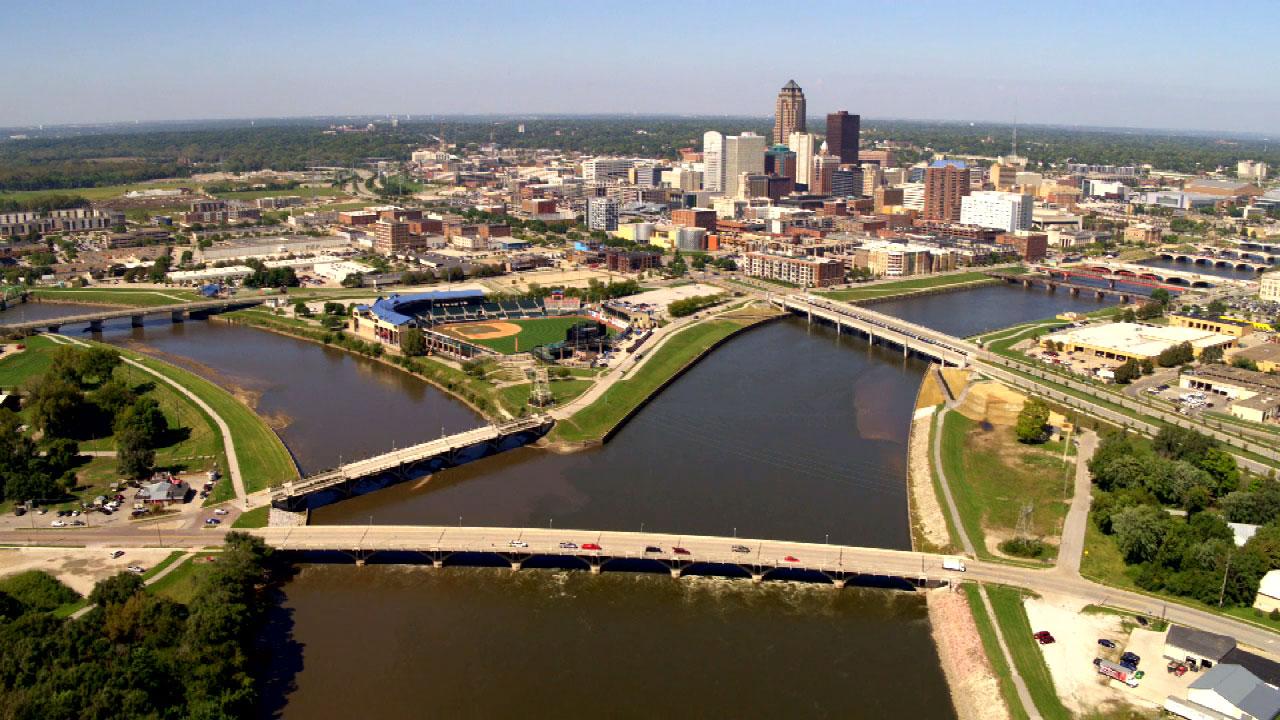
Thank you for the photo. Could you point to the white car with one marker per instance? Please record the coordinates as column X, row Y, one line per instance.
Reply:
column 58, row 523
column 137, row 569
column 221, row 511
column 518, row 544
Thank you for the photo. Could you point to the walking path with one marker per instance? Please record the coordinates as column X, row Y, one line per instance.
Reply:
column 228, row 442
column 1071, row 546
column 149, row 581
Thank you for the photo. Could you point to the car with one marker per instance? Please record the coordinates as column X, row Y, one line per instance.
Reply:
column 221, row 511
column 591, row 546
column 1128, row 666
column 1040, row 634
column 77, row 523
column 116, row 554
column 568, row 546
column 1130, row 657
column 652, row 549
column 1141, row 620
column 1140, row 674
column 740, row 549
column 58, row 523
column 680, row 551
column 212, row 521
column 136, row 569
column 1046, row 639
column 518, row 544
column 791, row 559
column 1106, row 643
column 1177, row 668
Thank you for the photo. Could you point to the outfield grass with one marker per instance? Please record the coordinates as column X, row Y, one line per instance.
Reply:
column 597, row 420
column 533, row 332
column 136, row 297
column 991, row 644
column 255, row 518
column 1027, row 658
column 264, row 460
column 992, row 476
column 904, row 287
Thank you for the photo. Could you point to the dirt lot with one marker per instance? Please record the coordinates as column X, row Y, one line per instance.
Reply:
column 1070, row 659
column 974, row 688
column 549, row 278
column 79, row 568
column 993, row 403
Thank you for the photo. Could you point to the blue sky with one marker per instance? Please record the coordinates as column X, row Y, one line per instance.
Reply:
column 1171, row 64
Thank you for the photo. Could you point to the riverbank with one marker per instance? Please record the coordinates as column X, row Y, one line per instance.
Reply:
column 600, row 420
column 918, row 286
column 975, row 688
column 131, row 297
column 931, row 530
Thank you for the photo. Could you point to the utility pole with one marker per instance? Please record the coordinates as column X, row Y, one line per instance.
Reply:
column 1223, row 592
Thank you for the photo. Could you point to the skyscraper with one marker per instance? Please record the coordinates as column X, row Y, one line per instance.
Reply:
column 788, row 114
column 801, row 143
column 946, row 183
column 842, row 136
column 713, row 161
column 742, row 154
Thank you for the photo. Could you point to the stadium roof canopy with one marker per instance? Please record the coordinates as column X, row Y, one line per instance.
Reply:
column 399, row 309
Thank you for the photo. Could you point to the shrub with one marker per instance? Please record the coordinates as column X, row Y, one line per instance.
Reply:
column 1024, row 547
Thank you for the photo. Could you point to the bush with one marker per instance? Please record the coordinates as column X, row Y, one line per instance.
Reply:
column 1024, row 547
column 38, row 590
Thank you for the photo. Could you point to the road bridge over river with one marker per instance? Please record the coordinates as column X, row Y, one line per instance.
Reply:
column 345, row 480
column 755, row 559
column 877, row 326
column 176, row 312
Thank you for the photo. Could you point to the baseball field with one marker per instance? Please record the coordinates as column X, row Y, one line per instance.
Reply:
column 512, row 336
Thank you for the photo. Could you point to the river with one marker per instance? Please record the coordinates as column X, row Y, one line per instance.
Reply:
column 787, row 431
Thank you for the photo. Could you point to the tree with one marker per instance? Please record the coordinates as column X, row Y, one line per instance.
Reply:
column 135, row 457
column 1127, row 315
column 112, row 397
column 98, row 363
column 145, row 417
column 1147, row 366
column 60, row 455
column 1128, row 372
column 413, row 342
column 1032, row 420
column 55, row 404
column 1176, row 355
column 1211, row 355
column 1138, row 531
column 1217, row 308
column 1161, row 296
column 116, row 589
column 300, row 309
column 1150, row 311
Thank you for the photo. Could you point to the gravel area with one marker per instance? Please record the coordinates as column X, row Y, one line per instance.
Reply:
column 926, row 512
column 975, row 691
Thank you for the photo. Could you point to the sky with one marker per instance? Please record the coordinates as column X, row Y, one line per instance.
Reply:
column 1174, row 64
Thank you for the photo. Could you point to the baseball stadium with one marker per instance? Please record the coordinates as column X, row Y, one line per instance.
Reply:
column 464, row 324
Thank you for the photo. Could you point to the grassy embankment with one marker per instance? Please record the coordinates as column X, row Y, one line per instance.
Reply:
column 992, row 476
column 991, row 645
column 915, row 285
column 192, row 442
column 1027, row 658
column 181, row 584
column 255, row 518
column 681, row 350
column 132, row 297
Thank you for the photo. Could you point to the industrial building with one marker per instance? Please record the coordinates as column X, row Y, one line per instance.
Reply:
column 1123, row 341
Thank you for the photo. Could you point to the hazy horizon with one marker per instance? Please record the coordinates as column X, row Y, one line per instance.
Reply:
column 1091, row 65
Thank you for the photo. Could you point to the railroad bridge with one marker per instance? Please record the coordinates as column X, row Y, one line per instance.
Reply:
column 1052, row 283
column 1223, row 259
column 375, row 473
column 176, row 312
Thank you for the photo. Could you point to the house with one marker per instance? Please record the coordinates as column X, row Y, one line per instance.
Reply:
column 165, row 490
column 1205, row 648
column 1235, row 692
column 1268, row 598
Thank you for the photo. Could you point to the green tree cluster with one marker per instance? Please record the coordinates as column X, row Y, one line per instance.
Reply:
column 1032, row 421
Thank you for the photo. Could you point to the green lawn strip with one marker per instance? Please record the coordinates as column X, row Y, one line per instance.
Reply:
column 515, row 397
column 953, row 536
column 264, row 460
column 1027, row 658
column 66, row 611
column 255, row 518
column 201, row 449
column 131, row 296
column 104, row 192
column 305, row 192
column 181, row 584
column 598, row 419
column 16, row 367
column 170, row 559
column 990, row 491
column 922, row 283
column 991, row 644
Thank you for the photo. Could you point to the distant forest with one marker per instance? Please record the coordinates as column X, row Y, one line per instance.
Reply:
column 121, row 155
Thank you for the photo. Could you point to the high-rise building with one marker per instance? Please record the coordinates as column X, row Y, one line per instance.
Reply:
column 946, row 183
column 780, row 160
column 742, row 154
column 605, row 169
column 801, row 143
column 846, row 180
column 872, row 178
column 789, row 112
column 713, row 161
column 1004, row 210
column 602, row 214
column 823, row 168
column 842, row 136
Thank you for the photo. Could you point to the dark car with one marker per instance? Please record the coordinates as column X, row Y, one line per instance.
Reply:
column 1130, row 657
column 1106, row 643
column 652, row 549
column 568, row 546
column 680, row 551
column 740, row 549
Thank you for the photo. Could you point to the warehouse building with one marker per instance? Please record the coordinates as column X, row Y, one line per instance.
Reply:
column 1122, row 340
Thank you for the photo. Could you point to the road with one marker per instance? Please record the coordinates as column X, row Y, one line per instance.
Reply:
column 1071, row 546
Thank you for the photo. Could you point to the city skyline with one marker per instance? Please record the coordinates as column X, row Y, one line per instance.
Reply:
column 141, row 63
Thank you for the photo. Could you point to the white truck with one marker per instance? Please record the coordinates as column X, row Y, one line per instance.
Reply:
column 953, row 563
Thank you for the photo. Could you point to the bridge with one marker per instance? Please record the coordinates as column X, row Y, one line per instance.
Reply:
column 1257, row 246
column 1140, row 275
column 1052, row 284
column 1223, row 259
column 177, row 312
column 681, row 556
column 380, row 471
column 876, row 326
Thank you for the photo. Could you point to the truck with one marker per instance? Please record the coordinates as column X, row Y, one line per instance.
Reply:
column 1112, row 670
column 953, row 563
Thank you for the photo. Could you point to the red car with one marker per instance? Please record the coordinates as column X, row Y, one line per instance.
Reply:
column 591, row 546
column 791, row 558
column 680, row 551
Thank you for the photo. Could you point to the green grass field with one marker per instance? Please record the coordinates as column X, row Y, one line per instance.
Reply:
column 1012, row 616
column 991, row 644
column 106, row 192
column 533, row 332
column 135, row 297
column 305, row 192
column 906, row 287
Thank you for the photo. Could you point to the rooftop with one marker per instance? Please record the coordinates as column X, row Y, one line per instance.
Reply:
column 1140, row 340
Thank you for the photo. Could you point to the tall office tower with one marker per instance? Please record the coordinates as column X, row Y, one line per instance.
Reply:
column 713, row 161
column 801, row 143
column 872, row 178
column 742, row 154
column 823, row 168
column 846, row 181
column 788, row 112
column 842, row 135
column 780, row 160
column 946, row 183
